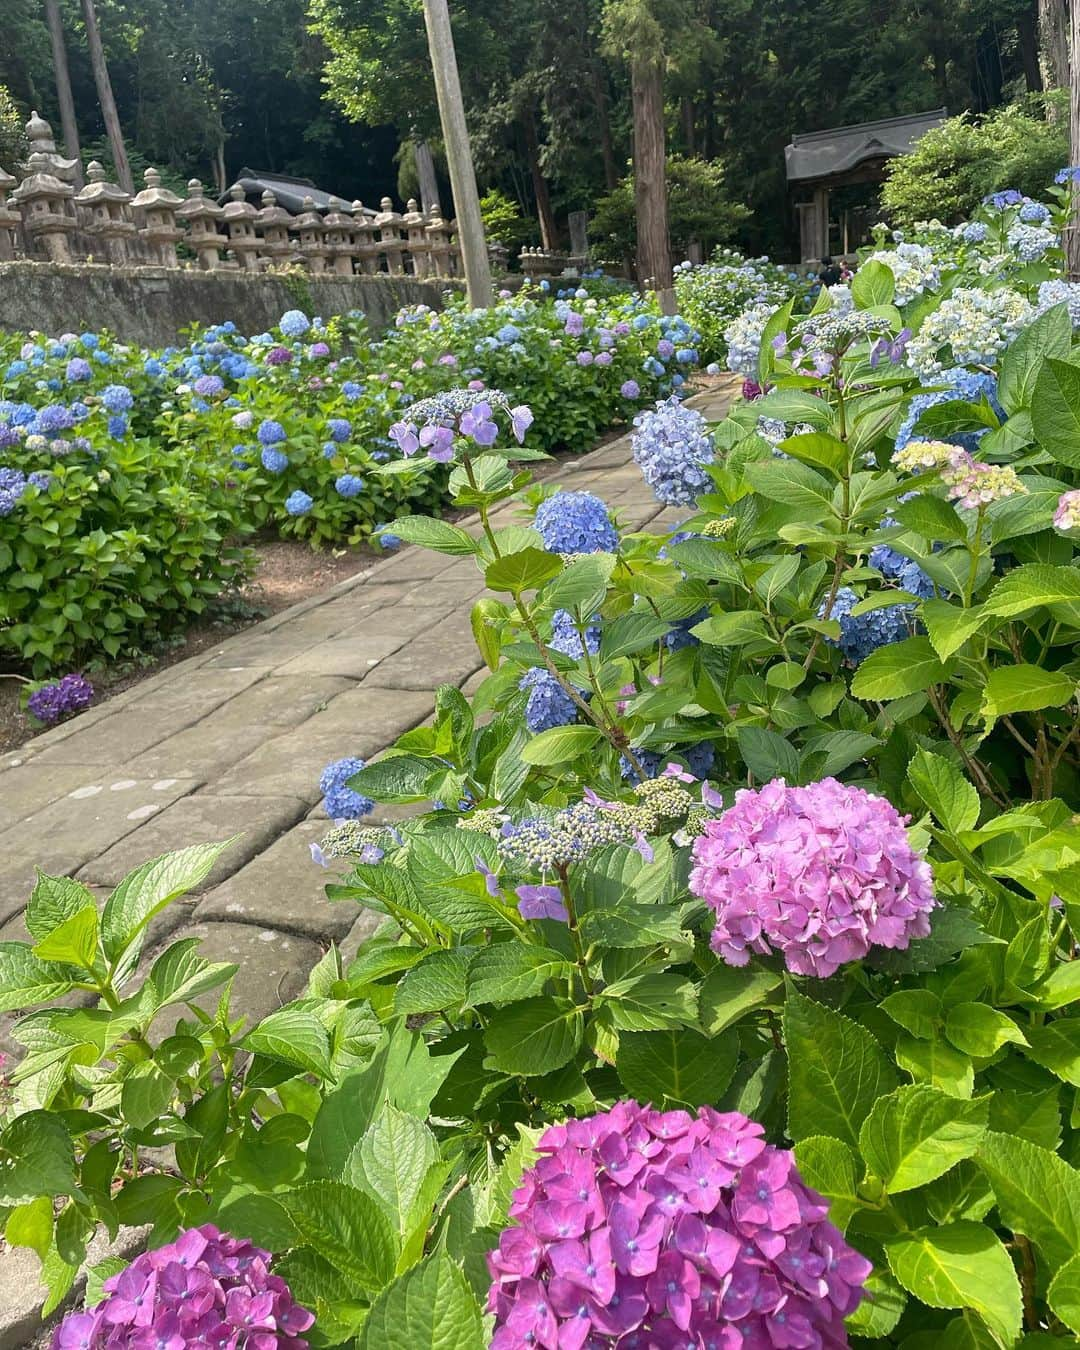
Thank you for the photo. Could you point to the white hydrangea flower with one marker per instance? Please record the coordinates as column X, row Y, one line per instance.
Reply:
column 914, row 269
column 976, row 325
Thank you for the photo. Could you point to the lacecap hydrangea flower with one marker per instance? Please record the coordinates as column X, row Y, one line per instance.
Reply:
column 820, row 874
column 206, row 1288
column 575, row 522
column 340, row 801
column 669, row 1230
column 671, row 446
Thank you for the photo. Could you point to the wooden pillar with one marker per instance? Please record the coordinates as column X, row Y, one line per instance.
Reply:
column 458, row 153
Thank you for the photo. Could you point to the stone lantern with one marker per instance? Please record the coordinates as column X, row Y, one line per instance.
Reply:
column 364, row 245
column 39, row 138
column 438, row 232
column 9, row 219
column 419, row 248
column 339, row 238
column 456, row 268
column 201, row 218
column 273, row 223
column 159, row 231
column 105, row 209
column 239, row 216
column 310, row 228
column 48, row 210
column 391, row 240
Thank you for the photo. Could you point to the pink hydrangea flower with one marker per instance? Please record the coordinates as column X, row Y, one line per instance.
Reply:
column 206, row 1288
column 1067, row 514
column 659, row 1230
column 821, row 873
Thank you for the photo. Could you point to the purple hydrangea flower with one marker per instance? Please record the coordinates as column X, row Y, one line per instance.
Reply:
column 671, row 447
column 576, row 522
column 630, row 389
column 78, row 368
column 60, row 698
column 820, row 873
column 548, row 704
column 650, row 1229
column 206, row 1288
column 206, row 386
column 341, row 801
column 278, row 356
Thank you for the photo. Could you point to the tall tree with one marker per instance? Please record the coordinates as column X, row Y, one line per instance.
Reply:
column 634, row 32
column 64, row 96
column 105, row 97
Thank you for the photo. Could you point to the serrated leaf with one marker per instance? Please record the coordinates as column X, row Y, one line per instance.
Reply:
column 37, row 1157
column 559, row 744
column 837, row 1070
column 534, row 1036
column 898, row 669
column 728, row 992
column 430, row 1307
column 651, row 1002
column 146, row 1095
column 526, row 570
column 1064, row 1294
column 295, row 1036
column 53, row 900
column 1037, row 1193
column 949, row 626
column 1012, row 689
column 1036, row 585
column 918, row 1011
column 979, row 1030
column 439, row 535
column 72, row 942
column 938, row 1063
column 830, row 1167
column 1055, row 410
column 347, row 1228
column 680, row 1067
column 915, row 1134
column 180, row 974
column 952, row 800
column 509, row 971
column 396, row 1154
column 435, row 984
column 24, row 980
column 147, row 890
column 960, row 1265
column 1022, row 360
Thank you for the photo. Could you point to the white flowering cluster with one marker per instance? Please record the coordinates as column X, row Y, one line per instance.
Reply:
column 976, row 325
column 842, row 300
column 1060, row 292
column 1030, row 242
column 914, row 269
column 743, row 338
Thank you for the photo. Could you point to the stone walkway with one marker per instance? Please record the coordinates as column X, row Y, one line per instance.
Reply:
column 233, row 741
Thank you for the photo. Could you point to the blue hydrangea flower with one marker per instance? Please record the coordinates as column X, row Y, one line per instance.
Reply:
column 117, row 398
column 89, row 341
column 349, row 485
column 964, row 385
column 974, row 232
column 576, row 522
column 270, row 432
column 1034, row 213
column 565, row 637
column 118, row 427
column 352, row 390
column 340, row 801
column 865, row 633
column 548, row 704
column 386, row 539
column 294, row 323
column 274, row 461
column 671, row 446
column 339, row 429
column 12, row 487
column 298, row 503
column 699, row 760
column 78, row 368
column 52, row 418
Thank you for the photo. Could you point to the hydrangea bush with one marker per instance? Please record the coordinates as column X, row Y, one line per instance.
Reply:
column 149, row 468
column 722, row 988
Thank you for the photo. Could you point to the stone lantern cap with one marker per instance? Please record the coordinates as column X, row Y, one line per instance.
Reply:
column 41, row 183
column 272, row 214
column 413, row 216
column 387, row 215
column 339, row 216
column 196, row 207
column 98, row 189
column 154, row 195
column 309, row 219
column 238, row 208
column 39, row 136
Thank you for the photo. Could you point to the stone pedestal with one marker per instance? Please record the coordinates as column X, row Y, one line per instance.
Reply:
column 438, row 232
column 364, row 245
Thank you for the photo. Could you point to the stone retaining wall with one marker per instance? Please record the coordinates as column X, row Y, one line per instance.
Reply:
column 150, row 306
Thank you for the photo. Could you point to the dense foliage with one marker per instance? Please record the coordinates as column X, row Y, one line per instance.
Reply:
column 329, row 89
column 128, row 479
column 723, row 994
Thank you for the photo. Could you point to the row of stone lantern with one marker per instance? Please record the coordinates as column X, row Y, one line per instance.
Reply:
column 44, row 212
